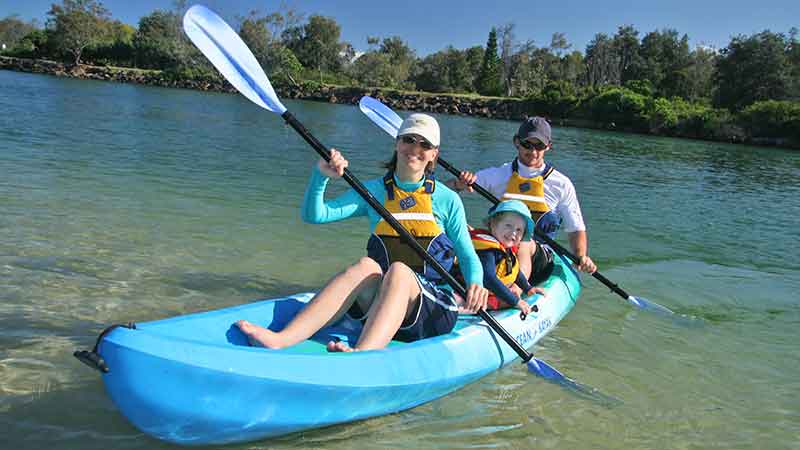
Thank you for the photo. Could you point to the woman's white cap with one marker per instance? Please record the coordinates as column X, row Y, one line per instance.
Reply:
column 423, row 125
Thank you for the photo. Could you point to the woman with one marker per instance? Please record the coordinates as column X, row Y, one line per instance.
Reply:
column 392, row 290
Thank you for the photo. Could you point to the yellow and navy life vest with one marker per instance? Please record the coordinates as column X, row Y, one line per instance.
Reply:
column 507, row 267
column 414, row 210
column 528, row 190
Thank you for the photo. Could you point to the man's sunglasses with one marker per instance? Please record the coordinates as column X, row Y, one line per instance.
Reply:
column 409, row 139
column 538, row 146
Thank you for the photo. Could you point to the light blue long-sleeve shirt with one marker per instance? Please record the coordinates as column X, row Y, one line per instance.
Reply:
column 447, row 209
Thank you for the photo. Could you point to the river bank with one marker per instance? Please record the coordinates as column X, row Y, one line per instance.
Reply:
column 486, row 107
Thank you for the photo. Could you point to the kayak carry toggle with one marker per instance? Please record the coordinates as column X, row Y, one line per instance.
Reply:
column 92, row 358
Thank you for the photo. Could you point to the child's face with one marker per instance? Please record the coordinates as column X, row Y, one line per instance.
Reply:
column 508, row 229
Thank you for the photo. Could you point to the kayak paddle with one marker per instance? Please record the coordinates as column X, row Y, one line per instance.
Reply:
column 234, row 60
column 389, row 121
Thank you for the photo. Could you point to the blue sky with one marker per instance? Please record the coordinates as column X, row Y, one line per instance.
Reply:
column 431, row 25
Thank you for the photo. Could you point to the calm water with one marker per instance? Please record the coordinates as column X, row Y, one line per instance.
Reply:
column 124, row 203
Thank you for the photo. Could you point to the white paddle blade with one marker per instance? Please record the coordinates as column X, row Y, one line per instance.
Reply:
column 380, row 114
column 230, row 55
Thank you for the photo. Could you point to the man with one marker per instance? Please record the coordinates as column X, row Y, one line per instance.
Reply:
column 548, row 193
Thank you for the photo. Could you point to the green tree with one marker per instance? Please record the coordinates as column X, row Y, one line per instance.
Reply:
column 160, row 42
column 626, row 45
column 448, row 70
column 751, row 69
column 76, row 25
column 700, row 74
column 277, row 60
column 489, row 80
column 602, row 62
column 12, row 30
column 388, row 65
column 316, row 44
column 116, row 47
column 665, row 58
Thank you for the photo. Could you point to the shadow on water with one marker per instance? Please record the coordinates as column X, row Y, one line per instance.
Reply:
column 77, row 416
column 249, row 286
column 63, row 265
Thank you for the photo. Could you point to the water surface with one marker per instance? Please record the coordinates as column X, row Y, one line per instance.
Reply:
column 126, row 203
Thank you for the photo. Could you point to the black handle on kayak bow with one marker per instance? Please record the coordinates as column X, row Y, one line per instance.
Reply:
column 404, row 234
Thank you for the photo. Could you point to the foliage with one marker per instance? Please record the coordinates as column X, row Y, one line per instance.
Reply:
column 279, row 62
column 620, row 107
column 753, row 69
column 387, row 66
column 116, row 48
column 557, row 100
column 489, row 81
column 77, row 24
column 13, row 30
column 159, row 41
column 35, row 44
column 772, row 118
column 316, row 44
column 448, row 70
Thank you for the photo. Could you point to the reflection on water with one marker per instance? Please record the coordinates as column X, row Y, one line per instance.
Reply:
column 124, row 203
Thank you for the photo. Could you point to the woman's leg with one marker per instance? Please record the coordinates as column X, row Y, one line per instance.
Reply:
column 328, row 306
column 397, row 299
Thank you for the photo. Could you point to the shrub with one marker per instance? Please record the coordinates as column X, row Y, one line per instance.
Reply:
column 772, row 118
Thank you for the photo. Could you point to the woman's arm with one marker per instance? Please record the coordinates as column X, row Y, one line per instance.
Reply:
column 316, row 210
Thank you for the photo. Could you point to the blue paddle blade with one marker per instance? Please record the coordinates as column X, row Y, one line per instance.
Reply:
column 230, row 55
column 648, row 305
column 381, row 115
column 552, row 374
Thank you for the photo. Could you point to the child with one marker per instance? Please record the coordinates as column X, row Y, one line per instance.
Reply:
column 509, row 223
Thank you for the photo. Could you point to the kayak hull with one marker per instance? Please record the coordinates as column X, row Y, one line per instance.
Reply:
column 193, row 380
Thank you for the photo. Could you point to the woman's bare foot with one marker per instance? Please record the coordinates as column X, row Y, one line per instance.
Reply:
column 339, row 346
column 258, row 336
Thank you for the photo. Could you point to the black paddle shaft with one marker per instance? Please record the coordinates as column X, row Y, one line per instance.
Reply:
column 549, row 241
column 404, row 234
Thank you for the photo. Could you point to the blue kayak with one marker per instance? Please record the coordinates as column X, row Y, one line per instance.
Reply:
column 194, row 380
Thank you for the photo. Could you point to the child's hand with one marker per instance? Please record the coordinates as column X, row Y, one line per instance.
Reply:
column 535, row 290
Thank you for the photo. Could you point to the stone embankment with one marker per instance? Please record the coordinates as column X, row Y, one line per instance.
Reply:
column 511, row 109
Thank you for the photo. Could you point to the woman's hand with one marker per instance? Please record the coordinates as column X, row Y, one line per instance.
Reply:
column 335, row 167
column 476, row 299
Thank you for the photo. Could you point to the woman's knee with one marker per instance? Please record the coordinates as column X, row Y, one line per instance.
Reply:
column 399, row 270
column 365, row 266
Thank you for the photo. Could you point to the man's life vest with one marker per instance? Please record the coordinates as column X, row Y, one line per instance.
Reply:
column 414, row 210
column 528, row 190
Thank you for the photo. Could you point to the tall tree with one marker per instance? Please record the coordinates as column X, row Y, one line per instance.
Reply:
column 753, row 68
column 159, row 42
column 508, row 65
column 665, row 58
column 559, row 44
column 626, row 45
column 602, row 61
column 316, row 43
column 700, row 74
column 77, row 24
column 489, row 80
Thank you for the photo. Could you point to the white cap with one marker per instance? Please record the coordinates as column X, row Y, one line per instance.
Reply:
column 423, row 125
